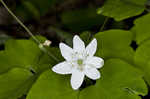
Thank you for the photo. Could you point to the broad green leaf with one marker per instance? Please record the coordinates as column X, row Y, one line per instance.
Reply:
column 19, row 53
column 27, row 54
column 23, row 53
column 142, row 59
column 141, row 28
column 4, row 62
column 115, row 44
column 122, row 9
column 82, row 19
column 52, row 86
column 15, row 83
column 119, row 80
column 48, row 58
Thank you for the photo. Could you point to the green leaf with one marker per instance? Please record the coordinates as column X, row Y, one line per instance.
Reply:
column 82, row 19
column 47, row 59
column 15, row 83
column 142, row 59
column 19, row 53
column 26, row 56
column 115, row 44
column 141, row 28
column 119, row 80
column 41, row 39
column 122, row 9
column 23, row 53
column 52, row 86
column 4, row 62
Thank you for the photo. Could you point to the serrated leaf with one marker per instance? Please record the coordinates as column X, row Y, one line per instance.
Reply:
column 122, row 9
column 141, row 28
column 119, row 80
column 52, row 86
column 142, row 59
column 14, row 83
column 115, row 44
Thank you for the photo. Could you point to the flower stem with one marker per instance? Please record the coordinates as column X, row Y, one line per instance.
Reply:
column 27, row 30
column 105, row 21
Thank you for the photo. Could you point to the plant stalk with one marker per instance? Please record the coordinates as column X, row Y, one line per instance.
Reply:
column 27, row 30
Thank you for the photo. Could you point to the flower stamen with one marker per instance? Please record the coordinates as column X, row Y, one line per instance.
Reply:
column 80, row 62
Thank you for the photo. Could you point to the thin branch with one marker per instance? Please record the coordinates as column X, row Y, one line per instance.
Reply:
column 105, row 21
column 27, row 30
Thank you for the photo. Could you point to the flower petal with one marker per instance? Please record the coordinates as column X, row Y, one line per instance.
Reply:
column 92, row 73
column 77, row 79
column 66, row 51
column 78, row 44
column 63, row 68
column 91, row 48
column 96, row 62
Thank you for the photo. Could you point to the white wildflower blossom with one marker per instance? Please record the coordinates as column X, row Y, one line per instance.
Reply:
column 79, row 61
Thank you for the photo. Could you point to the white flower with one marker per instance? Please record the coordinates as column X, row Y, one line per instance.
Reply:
column 79, row 61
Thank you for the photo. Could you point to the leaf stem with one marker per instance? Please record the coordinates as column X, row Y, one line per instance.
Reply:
column 27, row 30
column 105, row 21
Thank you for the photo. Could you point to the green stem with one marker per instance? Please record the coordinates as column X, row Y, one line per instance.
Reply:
column 27, row 30
column 105, row 21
